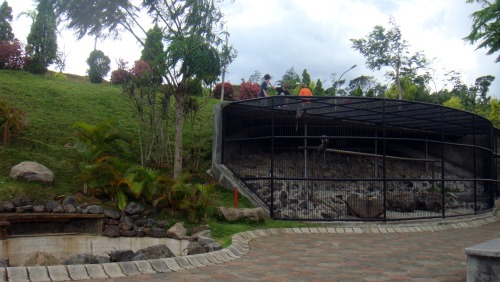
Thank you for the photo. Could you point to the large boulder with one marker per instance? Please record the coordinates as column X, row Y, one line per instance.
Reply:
column 155, row 252
column 85, row 259
column 121, row 255
column 178, row 231
column 249, row 214
column 32, row 171
column 41, row 259
column 365, row 207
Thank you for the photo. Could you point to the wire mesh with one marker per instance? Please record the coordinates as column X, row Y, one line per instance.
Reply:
column 343, row 158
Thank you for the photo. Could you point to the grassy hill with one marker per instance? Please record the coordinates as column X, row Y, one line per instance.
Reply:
column 53, row 106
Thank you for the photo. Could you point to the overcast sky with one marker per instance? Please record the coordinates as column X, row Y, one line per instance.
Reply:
column 272, row 36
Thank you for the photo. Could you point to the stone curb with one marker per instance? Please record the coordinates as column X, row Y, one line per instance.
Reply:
column 238, row 248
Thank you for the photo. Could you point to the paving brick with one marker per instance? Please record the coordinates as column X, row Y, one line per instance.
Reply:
column 96, row 271
column 18, row 274
column 129, row 268
column 172, row 264
column 159, row 266
column 58, row 273
column 113, row 270
column 202, row 258
column 38, row 273
column 78, row 272
column 144, row 266
column 194, row 261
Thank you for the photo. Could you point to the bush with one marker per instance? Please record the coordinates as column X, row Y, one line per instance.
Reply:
column 12, row 121
column 120, row 75
column 228, row 91
column 249, row 90
column 11, row 55
column 98, row 66
column 60, row 76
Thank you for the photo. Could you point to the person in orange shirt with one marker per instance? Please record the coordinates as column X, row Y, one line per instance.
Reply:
column 305, row 91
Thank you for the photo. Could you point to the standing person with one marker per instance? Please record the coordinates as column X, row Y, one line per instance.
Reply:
column 305, row 91
column 283, row 90
column 264, row 85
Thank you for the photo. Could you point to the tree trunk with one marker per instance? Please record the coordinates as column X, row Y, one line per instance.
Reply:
column 398, row 84
column 180, row 98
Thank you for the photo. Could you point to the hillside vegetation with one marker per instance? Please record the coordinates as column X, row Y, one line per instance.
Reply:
column 53, row 106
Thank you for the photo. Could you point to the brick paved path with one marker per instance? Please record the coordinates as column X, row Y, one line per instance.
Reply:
column 413, row 256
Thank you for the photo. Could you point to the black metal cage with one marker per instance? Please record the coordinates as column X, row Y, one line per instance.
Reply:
column 350, row 158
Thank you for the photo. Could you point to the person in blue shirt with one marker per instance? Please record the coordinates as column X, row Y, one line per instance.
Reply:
column 264, row 85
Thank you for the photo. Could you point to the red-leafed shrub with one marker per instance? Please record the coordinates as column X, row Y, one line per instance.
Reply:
column 11, row 55
column 228, row 91
column 120, row 75
column 249, row 90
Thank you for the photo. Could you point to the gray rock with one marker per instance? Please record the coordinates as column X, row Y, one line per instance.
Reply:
column 8, row 206
column 112, row 214
column 51, row 205
column 70, row 200
column 121, row 255
column 85, row 259
column 28, row 208
column 250, row 214
column 41, row 259
column 94, row 209
column 365, row 207
column 111, row 231
column 214, row 246
column 140, row 222
column 58, row 209
column 69, row 208
column 198, row 229
column 203, row 240
column 20, row 202
column 178, row 231
column 38, row 208
column 32, row 171
column 141, row 231
column 110, row 221
column 195, row 248
column 128, row 233
column 133, row 208
column 158, row 232
column 156, row 252
column 194, row 237
column 139, row 257
column 126, row 223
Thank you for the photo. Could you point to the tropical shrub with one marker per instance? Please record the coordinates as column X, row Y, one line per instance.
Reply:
column 228, row 91
column 194, row 199
column 12, row 122
column 249, row 90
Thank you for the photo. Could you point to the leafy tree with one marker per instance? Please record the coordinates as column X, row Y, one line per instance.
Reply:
column 494, row 115
column 255, row 77
column 290, row 78
column 482, row 85
column 42, row 38
column 358, row 92
column 154, row 54
column 306, row 78
column 5, row 20
column 98, row 66
column 365, row 82
column 486, row 27
column 454, row 102
column 383, row 48
column 191, row 32
column 319, row 88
